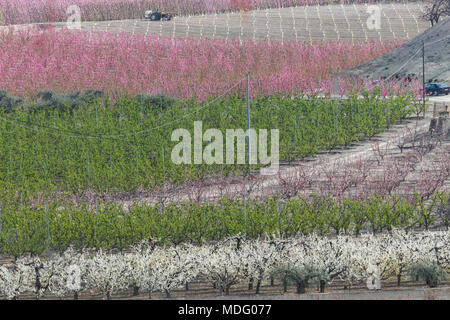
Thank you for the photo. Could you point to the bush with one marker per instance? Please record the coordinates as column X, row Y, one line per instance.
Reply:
column 49, row 100
column 431, row 272
column 9, row 103
column 159, row 100
column 300, row 276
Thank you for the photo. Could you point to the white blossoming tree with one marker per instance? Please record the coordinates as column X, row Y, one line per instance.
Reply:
column 71, row 272
column 107, row 273
column 14, row 281
column 222, row 265
column 298, row 260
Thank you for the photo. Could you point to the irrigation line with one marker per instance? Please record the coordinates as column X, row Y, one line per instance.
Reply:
column 77, row 135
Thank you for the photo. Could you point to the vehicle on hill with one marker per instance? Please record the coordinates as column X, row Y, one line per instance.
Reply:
column 157, row 15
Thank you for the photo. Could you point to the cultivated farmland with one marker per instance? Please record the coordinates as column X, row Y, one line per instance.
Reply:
column 304, row 23
column 88, row 184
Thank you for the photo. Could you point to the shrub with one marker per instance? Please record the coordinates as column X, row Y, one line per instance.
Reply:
column 431, row 272
column 158, row 100
column 49, row 100
column 300, row 276
column 9, row 103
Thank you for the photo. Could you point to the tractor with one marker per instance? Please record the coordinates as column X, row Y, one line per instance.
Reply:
column 157, row 15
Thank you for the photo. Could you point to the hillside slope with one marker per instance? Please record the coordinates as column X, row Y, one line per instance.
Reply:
column 407, row 59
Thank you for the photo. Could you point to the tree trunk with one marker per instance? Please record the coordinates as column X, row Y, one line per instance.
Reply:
column 432, row 283
column 284, row 286
column 167, row 294
column 75, row 296
column 322, row 286
column 301, row 288
column 227, row 290
column 258, row 286
column 38, row 282
column 135, row 291
column 399, row 280
column 108, row 295
column 187, row 286
column 250, row 284
column 271, row 281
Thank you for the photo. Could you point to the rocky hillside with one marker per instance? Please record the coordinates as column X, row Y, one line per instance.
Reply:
column 407, row 59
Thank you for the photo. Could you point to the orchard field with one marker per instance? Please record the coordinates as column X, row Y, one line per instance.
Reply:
column 86, row 175
column 19, row 12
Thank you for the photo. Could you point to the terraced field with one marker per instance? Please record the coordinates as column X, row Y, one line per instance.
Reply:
column 307, row 23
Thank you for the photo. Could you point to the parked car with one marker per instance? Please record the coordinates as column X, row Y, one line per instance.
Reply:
column 437, row 89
